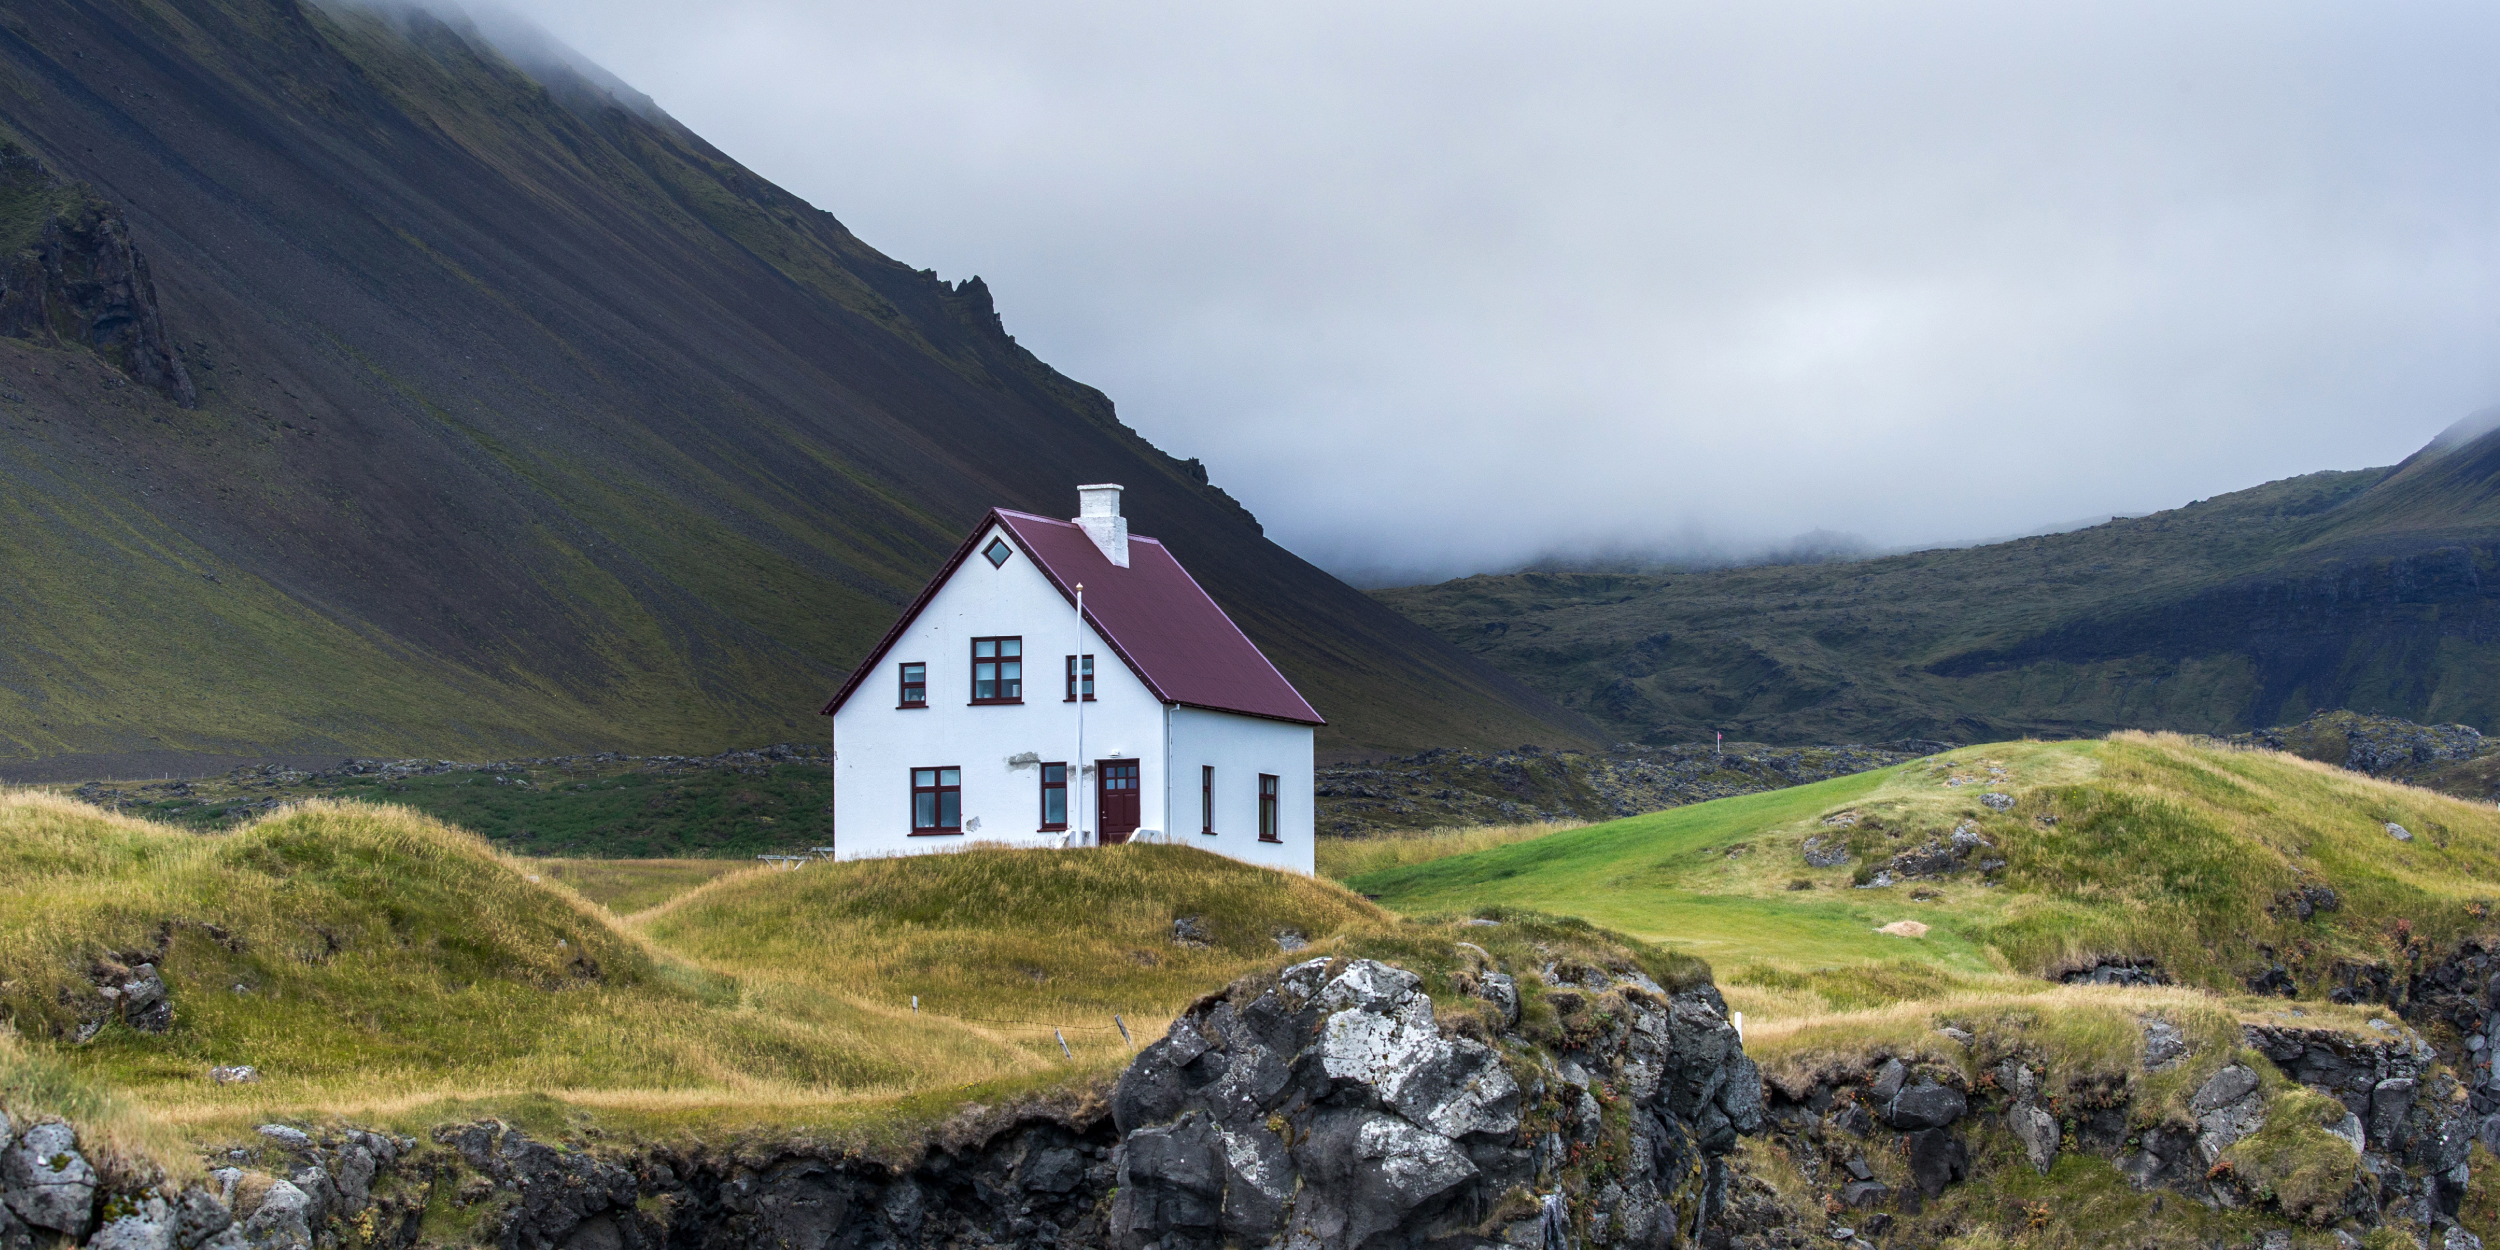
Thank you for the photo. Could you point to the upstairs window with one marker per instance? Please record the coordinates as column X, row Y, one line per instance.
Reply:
column 998, row 670
column 1206, row 798
column 1267, row 809
column 1054, row 797
column 1080, row 678
column 915, row 686
column 997, row 552
column 937, row 800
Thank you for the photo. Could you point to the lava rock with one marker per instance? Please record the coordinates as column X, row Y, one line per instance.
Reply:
column 283, row 1220
column 149, row 1224
column 2037, row 1131
column 1925, row 1106
column 2223, row 1088
column 146, row 1005
column 49, row 1184
column 1937, row 1159
column 1334, row 1096
column 2165, row 1044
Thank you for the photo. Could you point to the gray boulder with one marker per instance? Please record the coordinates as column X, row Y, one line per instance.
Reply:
column 49, row 1184
column 320, row 1190
column 200, row 1217
column 1054, row 1171
column 2037, row 1131
column 150, row 1225
column 2390, row 1100
column 283, row 1221
column 2223, row 1088
column 1937, row 1159
column 2165, row 1044
column 2220, row 1125
column 1501, row 990
column 354, row 1178
column 146, row 1005
column 1888, row 1081
column 2348, row 1130
column 1924, row 1106
column 1334, row 1099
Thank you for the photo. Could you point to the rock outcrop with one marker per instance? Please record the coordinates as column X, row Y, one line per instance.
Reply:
column 69, row 274
column 1324, row 1108
column 2382, row 746
column 2385, row 1147
column 1330, row 1111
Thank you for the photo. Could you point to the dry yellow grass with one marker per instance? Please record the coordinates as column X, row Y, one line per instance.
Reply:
column 1341, row 858
column 372, row 962
column 628, row 887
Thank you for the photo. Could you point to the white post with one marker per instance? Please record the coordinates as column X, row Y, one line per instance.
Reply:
column 1076, row 767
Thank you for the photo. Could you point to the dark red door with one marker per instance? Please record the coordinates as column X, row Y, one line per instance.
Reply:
column 1115, row 799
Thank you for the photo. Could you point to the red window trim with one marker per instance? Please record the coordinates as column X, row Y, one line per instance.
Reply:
column 1062, row 788
column 902, row 685
column 1070, row 679
column 1271, row 808
column 938, row 831
column 1206, row 799
column 975, row 684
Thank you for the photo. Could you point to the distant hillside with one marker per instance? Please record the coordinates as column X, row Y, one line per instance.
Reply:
column 2376, row 590
column 363, row 392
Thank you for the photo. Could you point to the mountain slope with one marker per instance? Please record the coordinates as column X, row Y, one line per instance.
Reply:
column 2372, row 589
column 521, row 418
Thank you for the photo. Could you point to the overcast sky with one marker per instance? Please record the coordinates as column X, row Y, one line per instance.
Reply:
column 1442, row 288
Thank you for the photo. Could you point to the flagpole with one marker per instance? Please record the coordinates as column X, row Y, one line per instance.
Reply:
column 1076, row 680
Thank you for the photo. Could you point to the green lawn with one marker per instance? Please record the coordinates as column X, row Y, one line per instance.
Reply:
column 1632, row 876
column 2143, row 847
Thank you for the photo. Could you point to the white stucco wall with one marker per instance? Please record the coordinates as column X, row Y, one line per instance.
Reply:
column 1240, row 748
column 876, row 745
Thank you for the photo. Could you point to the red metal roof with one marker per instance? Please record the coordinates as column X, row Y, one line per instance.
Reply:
column 1155, row 616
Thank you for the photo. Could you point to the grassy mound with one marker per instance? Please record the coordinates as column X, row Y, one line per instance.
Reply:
column 2138, row 846
column 992, row 930
column 366, row 956
column 375, row 964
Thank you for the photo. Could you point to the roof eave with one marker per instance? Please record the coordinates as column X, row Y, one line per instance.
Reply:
column 1313, row 721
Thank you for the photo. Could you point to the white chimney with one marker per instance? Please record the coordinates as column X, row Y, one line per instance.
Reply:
column 1098, row 510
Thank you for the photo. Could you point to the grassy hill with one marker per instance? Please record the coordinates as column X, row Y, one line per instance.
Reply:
column 2139, row 847
column 377, row 965
column 2372, row 589
column 2190, row 855
column 519, row 420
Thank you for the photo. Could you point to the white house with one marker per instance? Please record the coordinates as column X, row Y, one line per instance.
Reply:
column 993, row 711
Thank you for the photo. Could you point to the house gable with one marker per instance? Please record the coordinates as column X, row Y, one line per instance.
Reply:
column 1164, row 627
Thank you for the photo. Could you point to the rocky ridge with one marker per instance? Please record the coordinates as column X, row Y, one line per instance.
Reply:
column 1324, row 1107
column 2310, row 1126
column 2453, row 759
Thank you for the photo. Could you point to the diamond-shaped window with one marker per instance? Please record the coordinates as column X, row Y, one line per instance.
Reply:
column 997, row 552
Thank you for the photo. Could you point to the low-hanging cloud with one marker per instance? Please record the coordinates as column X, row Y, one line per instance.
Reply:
column 1440, row 288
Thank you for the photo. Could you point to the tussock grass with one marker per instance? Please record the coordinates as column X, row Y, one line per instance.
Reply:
column 378, row 966
column 629, row 886
column 1341, row 858
column 1013, row 943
